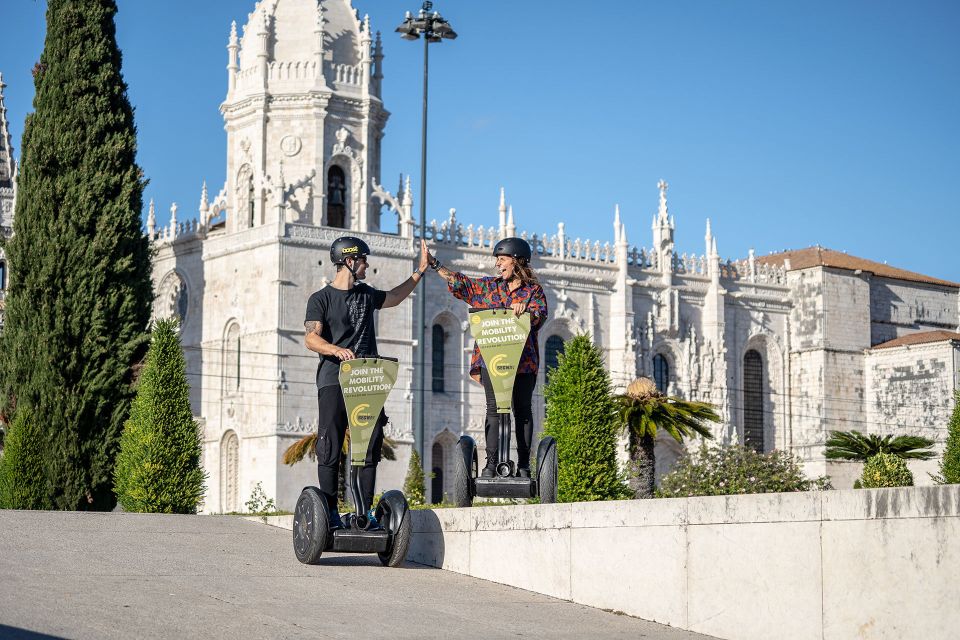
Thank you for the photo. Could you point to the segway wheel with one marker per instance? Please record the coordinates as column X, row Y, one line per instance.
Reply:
column 311, row 526
column 393, row 513
column 547, row 471
column 464, row 470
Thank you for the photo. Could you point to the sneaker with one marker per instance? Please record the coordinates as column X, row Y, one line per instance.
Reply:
column 335, row 521
column 488, row 472
column 523, row 472
column 372, row 523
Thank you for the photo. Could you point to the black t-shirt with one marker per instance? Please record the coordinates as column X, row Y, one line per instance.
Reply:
column 347, row 318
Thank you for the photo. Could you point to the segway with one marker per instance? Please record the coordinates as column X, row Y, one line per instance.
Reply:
column 365, row 383
column 501, row 335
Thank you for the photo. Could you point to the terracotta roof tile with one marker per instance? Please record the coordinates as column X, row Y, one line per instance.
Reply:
column 923, row 337
column 819, row 256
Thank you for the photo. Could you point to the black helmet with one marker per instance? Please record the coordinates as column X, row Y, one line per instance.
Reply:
column 347, row 247
column 513, row 247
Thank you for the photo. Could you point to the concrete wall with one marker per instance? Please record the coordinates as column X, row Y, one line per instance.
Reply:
column 819, row 565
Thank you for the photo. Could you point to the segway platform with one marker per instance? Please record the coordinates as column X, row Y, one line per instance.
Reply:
column 359, row 541
column 505, row 487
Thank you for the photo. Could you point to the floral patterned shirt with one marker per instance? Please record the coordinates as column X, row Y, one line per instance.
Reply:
column 494, row 293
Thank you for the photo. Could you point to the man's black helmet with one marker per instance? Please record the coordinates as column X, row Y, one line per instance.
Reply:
column 513, row 247
column 347, row 247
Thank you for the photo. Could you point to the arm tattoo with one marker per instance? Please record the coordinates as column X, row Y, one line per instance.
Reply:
column 446, row 274
column 313, row 326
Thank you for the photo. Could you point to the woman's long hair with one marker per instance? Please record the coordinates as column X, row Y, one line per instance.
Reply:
column 525, row 272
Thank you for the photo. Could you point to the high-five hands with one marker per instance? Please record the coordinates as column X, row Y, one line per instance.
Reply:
column 424, row 256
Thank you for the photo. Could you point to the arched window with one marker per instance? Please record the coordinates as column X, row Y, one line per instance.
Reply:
column 251, row 204
column 753, row 401
column 661, row 372
column 230, row 356
column 551, row 355
column 336, row 197
column 3, row 274
column 436, row 484
column 229, row 472
column 439, row 337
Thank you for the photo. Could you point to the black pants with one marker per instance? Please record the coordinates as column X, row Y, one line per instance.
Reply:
column 522, row 417
column 331, row 429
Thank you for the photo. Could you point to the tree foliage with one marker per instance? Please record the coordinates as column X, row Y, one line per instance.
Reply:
column 581, row 416
column 736, row 469
column 885, row 470
column 644, row 411
column 158, row 469
column 414, row 487
column 950, row 463
column 80, row 293
column 22, row 481
column 853, row 445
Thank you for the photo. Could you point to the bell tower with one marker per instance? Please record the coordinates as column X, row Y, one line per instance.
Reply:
column 303, row 116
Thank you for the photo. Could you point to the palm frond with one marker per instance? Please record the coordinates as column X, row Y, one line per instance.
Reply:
column 305, row 445
column 644, row 415
column 853, row 445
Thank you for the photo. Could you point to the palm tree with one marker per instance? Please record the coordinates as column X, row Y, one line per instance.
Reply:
column 853, row 445
column 307, row 446
column 643, row 410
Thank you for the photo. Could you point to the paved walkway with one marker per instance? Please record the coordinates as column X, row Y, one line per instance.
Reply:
column 113, row 575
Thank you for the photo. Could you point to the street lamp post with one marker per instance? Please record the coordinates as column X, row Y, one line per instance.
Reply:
column 433, row 28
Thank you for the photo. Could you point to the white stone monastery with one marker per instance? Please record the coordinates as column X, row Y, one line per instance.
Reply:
column 788, row 346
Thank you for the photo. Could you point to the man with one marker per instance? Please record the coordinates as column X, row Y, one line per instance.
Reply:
column 339, row 326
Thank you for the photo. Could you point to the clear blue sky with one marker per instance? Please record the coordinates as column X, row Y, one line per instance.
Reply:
column 786, row 123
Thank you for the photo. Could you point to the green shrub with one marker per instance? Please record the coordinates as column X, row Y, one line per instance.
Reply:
column 259, row 503
column 950, row 463
column 736, row 469
column 413, row 487
column 582, row 416
column 885, row 470
column 158, row 467
column 22, row 484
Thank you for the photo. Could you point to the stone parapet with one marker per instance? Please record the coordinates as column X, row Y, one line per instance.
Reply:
column 835, row 564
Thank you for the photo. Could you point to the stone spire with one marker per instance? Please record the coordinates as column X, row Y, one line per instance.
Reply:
column 511, row 227
column 204, row 198
column 152, row 222
column 233, row 46
column 7, row 166
column 663, row 228
column 503, row 212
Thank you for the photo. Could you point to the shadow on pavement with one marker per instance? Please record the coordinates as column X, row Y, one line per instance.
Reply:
column 16, row 633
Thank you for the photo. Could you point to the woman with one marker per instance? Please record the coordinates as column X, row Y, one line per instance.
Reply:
column 516, row 288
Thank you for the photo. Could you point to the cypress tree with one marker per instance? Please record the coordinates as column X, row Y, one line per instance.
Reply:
column 80, row 291
column 414, row 488
column 581, row 415
column 950, row 463
column 21, row 466
column 158, row 468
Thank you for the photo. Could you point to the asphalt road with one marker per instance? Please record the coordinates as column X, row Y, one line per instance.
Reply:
column 115, row 575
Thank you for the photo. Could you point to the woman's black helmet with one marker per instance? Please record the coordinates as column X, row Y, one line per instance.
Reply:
column 347, row 247
column 513, row 247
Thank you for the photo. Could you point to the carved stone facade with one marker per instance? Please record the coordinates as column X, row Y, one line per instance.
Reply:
column 8, row 194
column 303, row 107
